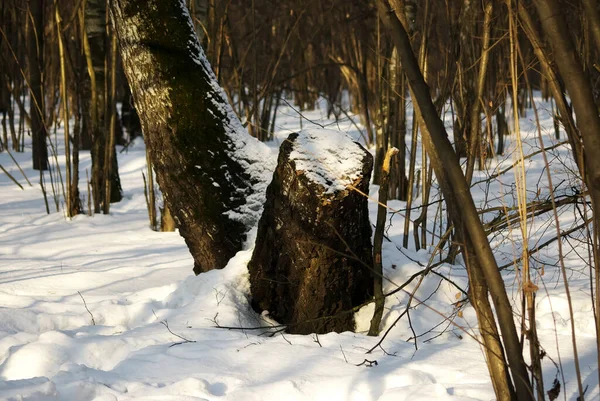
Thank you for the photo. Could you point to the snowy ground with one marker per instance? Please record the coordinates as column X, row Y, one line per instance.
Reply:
column 103, row 308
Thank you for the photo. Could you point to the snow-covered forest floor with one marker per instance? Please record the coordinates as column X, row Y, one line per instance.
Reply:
column 103, row 308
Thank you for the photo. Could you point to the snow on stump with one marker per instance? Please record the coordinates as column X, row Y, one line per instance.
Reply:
column 312, row 261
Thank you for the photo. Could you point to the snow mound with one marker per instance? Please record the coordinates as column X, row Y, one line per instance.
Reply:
column 38, row 389
column 329, row 158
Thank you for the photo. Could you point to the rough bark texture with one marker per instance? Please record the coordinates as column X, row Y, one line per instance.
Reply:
column 187, row 125
column 304, row 269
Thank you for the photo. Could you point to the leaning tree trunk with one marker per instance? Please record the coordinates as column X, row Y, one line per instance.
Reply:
column 35, row 63
column 312, row 261
column 202, row 157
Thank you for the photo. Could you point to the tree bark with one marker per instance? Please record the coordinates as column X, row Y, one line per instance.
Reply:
column 378, row 241
column 195, row 142
column 35, row 60
column 398, row 179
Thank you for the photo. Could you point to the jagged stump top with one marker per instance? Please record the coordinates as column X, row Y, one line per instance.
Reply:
column 330, row 159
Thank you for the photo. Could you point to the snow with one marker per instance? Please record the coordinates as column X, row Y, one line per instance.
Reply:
column 102, row 308
column 329, row 158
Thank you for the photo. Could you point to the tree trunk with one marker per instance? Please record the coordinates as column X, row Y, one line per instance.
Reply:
column 4, row 106
column 475, row 135
column 312, row 261
column 398, row 178
column 201, row 154
column 110, row 158
column 98, row 46
column 378, row 241
column 35, row 52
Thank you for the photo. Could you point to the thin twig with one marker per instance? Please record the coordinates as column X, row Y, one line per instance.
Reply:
column 86, row 308
column 166, row 324
column 343, row 354
column 11, row 177
column 368, row 364
column 18, row 166
column 302, row 115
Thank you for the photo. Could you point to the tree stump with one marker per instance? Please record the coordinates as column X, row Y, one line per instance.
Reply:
column 312, row 261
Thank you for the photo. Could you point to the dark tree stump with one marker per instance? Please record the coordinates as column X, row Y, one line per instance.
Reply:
column 314, row 226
